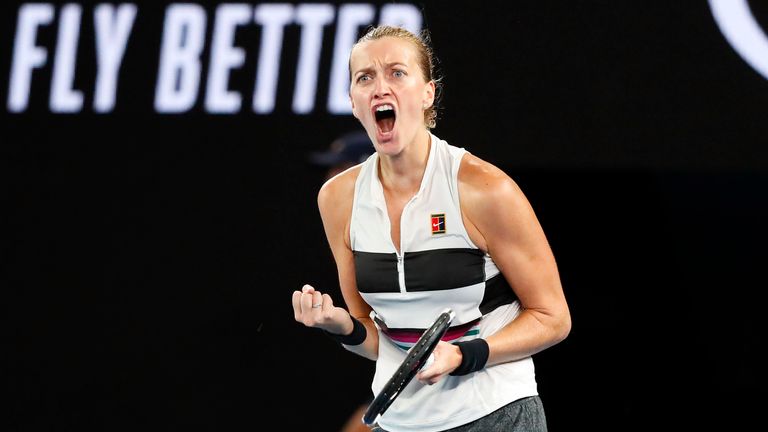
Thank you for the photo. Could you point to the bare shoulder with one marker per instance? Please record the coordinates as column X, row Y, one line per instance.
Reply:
column 336, row 194
column 482, row 183
column 496, row 212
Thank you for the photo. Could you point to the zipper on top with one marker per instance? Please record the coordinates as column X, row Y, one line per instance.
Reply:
column 400, row 255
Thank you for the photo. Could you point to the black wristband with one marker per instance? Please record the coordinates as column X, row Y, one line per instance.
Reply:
column 357, row 336
column 474, row 356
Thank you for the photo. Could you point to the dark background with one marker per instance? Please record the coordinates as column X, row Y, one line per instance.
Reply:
column 148, row 260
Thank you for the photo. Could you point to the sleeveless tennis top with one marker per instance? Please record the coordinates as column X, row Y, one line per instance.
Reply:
column 438, row 267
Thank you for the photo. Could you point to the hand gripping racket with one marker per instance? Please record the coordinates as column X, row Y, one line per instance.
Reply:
column 415, row 359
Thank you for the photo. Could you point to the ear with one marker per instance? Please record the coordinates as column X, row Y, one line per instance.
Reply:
column 429, row 95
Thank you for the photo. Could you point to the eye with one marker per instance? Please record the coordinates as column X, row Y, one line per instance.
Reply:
column 363, row 78
column 399, row 73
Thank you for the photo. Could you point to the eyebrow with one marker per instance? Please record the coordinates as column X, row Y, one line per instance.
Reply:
column 388, row 66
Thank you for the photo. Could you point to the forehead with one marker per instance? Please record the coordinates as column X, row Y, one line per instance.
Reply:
column 386, row 50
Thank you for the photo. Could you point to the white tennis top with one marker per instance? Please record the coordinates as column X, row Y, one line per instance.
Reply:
column 439, row 267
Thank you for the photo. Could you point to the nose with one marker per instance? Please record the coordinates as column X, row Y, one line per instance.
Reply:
column 381, row 88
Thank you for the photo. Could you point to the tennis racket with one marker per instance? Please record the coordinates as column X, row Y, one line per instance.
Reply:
column 415, row 359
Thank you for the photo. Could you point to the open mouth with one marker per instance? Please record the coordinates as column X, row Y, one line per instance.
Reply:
column 385, row 118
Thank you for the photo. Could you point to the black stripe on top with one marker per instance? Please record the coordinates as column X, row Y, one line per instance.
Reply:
column 432, row 270
column 376, row 272
column 497, row 293
column 443, row 269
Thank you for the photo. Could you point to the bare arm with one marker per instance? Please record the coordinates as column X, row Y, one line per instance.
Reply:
column 508, row 228
column 335, row 205
column 500, row 221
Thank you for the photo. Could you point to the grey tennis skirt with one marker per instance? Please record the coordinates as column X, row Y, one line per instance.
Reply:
column 522, row 415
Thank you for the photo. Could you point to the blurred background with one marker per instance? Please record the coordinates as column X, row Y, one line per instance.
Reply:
column 159, row 203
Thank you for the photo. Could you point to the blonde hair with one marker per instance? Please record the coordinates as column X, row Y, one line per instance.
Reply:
column 423, row 45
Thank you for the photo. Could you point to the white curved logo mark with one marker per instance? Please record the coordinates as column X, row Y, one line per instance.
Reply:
column 742, row 31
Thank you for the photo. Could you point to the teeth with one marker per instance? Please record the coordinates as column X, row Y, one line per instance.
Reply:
column 386, row 107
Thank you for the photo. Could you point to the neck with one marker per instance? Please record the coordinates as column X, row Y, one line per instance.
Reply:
column 403, row 173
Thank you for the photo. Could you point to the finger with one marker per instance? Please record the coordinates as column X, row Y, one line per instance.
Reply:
column 432, row 370
column 317, row 301
column 327, row 303
column 429, row 376
column 426, row 375
column 306, row 302
column 423, row 377
column 307, row 289
column 296, row 302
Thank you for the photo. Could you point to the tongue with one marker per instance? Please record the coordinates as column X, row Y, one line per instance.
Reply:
column 386, row 125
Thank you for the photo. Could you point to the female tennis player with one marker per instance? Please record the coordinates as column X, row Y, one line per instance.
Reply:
column 422, row 226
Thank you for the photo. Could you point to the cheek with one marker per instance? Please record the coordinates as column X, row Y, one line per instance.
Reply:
column 357, row 112
column 415, row 107
column 357, row 106
column 417, row 98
